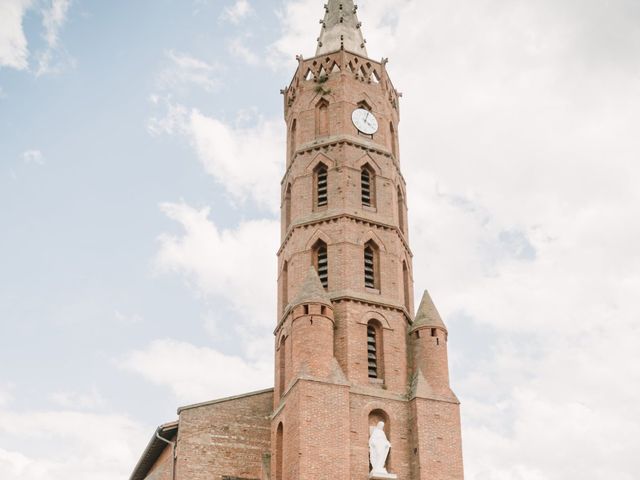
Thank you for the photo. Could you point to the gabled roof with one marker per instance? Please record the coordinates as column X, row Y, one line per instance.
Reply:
column 311, row 291
column 341, row 29
column 428, row 315
column 154, row 449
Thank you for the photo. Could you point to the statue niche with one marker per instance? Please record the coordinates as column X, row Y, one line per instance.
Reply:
column 379, row 446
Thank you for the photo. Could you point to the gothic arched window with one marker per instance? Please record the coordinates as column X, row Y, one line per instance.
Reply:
column 287, row 207
column 292, row 140
column 321, row 185
column 279, row 451
column 401, row 210
column 322, row 118
column 374, row 350
column 406, row 285
column 394, row 142
column 321, row 262
column 285, row 285
column 282, row 366
column 368, row 186
column 371, row 265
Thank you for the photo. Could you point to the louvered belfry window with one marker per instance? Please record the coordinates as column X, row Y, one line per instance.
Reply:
column 322, row 264
column 322, row 183
column 372, row 351
column 365, row 181
column 369, row 266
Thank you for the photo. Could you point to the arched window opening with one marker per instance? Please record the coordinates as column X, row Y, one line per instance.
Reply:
column 321, row 262
column 287, row 207
column 374, row 350
column 281, row 366
column 279, row 451
column 292, row 140
column 394, row 142
column 401, row 211
column 371, row 266
column 406, row 285
column 322, row 118
column 321, row 185
column 285, row 285
column 367, row 184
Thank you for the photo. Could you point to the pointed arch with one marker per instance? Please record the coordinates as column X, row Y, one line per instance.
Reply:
column 401, row 210
column 365, row 104
column 371, row 265
column 287, row 207
column 406, row 285
column 368, row 159
column 284, row 284
column 318, row 235
column 293, row 133
column 282, row 361
column 368, row 186
column 320, row 260
column 317, row 160
column 372, row 236
column 279, row 451
column 320, row 186
column 393, row 140
column 322, row 118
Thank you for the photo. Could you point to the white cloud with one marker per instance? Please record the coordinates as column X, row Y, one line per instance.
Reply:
column 238, row 48
column 196, row 374
column 33, row 157
column 225, row 264
column 246, row 161
column 238, row 11
column 14, row 52
column 53, row 19
column 90, row 400
column 185, row 71
column 68, row 444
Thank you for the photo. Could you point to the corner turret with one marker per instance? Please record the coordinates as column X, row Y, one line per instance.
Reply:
column 429, row 341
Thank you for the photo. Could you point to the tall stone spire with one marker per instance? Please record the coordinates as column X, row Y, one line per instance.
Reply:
column 341, row 29
column 428, row 315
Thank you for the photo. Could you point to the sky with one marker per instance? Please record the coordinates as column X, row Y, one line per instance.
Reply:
column 141, row 150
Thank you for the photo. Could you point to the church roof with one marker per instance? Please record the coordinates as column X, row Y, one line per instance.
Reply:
column 312, row 290
column 341, row 29
column 154, row 449
column 428, row 315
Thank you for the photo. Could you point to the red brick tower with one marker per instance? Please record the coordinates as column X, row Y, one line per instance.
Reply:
column 349, row 352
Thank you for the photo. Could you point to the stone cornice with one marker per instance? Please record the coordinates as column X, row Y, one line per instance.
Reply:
column 337, row 216
column 342, row 139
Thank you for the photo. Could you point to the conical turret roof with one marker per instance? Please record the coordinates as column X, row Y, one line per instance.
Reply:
column 428, row 315
column 341, row 29
column 312, row 290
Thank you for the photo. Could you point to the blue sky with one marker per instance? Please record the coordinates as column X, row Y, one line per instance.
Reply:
column 141, row 149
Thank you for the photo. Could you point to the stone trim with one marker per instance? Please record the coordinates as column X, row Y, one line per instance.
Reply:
column 222, row 400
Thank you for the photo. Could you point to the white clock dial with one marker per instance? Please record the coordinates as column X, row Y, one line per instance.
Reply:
column 365, row 121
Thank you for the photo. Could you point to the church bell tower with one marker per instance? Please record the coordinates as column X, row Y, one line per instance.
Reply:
column 349, row 351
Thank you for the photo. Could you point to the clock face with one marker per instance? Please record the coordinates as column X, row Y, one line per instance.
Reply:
column 364, row 121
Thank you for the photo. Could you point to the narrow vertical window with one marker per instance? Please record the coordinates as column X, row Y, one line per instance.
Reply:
column 321, row 262
column 322, row 118
column 287, row 207
column 375, row 367
column 371, row 273
column 367, row 185
column 394, row 142
column 281, row 367
column 406, row 285
column 321, row 185
column 401, row 209
column 292, row 140
column 285, row 285
column 372, row 351
column 279, row 452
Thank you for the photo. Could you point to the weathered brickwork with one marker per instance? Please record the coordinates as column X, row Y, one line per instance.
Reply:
column 225, row 438
column 349, row 349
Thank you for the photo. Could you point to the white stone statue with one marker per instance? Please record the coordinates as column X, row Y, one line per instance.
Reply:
column 379, row 447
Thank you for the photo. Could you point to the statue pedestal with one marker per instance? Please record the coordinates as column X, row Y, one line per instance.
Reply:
column 382, row 476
